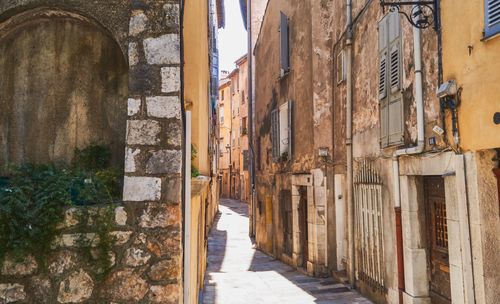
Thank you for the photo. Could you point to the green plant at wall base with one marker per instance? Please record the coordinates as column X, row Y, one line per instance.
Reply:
column 194, row 153
column 92, row 158
column 33, row 199
column 100, row 223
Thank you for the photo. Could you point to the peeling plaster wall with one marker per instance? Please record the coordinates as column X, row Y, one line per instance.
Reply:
column 308, row 85
column 66, row 87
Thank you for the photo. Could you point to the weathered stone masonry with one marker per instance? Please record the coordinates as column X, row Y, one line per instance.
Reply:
column 147, row 253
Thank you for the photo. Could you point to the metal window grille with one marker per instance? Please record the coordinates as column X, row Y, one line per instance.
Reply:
column 369, row 227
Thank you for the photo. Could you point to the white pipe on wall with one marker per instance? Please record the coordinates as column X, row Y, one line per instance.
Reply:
column 350, row 200
column 187, row 212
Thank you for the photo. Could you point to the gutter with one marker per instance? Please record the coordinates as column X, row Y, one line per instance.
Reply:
column 417, row 51
column 349, row 99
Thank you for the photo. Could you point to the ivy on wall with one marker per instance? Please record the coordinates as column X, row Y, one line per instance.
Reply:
column 33, row 199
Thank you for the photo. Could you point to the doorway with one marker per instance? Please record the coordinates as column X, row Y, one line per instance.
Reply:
column 437, row 239
column 303, row 229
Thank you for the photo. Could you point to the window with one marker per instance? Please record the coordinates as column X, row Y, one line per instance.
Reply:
column 281, row 131
column 222, row 95
column 242, row 97
column 341, row 69
column 221, row 115
column 284, row 45
column 491, row 18
column 389, row 90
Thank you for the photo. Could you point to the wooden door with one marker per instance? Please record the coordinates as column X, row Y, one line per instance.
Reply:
column 437, row 236
column 287, row 217
column 303, row 227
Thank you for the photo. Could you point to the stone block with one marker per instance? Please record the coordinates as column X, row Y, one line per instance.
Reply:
column 162, row 50
column 160, row 216
column 125, row 286
column 164, row 107
column 130, row 155
column 173, row 190
column 415, row 261
column 24, row 267
column 170, row 79
column 76, row 240
column 454, row 244
column 164, row 162
column 121, row 237
column 41, row 288
column 165, row 270
column 143, row 132
column 164, row 294
column 408, row 299
column 412, row 237
column 172, row 14
column 70, row 218
column 10, row 293
column 174, row 137
column 62, row 262
column 138, row 189
column 133, row 54
column 138, row 23
column 120, row 216
column 136, row 257
column 76, row 288
column 457, row 286
column 165, row 243
column 134, row 106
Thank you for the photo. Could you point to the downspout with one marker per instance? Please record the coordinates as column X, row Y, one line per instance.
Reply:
column 251, row 166
column 350, row 201
column 186, row 167
column 187, row 212
column 417, row 52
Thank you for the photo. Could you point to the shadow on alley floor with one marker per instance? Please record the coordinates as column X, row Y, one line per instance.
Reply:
column 239, row 274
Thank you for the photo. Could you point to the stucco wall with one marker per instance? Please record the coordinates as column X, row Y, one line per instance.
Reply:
column 65, row 86
column 474, row 64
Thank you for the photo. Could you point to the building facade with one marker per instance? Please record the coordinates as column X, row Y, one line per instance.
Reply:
column 369, row 168
column 121, row 74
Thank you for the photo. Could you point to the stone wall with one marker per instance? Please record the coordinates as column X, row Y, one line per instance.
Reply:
column 148, row 254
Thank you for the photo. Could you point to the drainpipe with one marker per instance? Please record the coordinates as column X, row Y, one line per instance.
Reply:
column 350, row 201
column 417, row 50
column 250, row 118
column 187, row 211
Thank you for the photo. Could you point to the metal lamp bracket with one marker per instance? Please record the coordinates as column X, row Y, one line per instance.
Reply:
column 422, row 15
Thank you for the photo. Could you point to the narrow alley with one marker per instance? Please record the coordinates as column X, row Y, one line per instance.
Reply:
column 239, row 274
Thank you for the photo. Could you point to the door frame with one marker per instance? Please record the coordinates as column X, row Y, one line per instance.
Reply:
column 452, row 168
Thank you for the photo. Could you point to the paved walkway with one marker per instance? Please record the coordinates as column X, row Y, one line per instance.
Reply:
column 239, row 274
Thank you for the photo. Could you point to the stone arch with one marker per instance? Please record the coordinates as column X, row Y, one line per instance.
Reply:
column 63, row 85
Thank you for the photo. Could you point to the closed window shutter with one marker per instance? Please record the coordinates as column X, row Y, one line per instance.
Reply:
column 383, row 75
column 491, row 17
column 284, row 44
column 275, row 134
column 390, row 75
column 395, row 115
column 290, row 129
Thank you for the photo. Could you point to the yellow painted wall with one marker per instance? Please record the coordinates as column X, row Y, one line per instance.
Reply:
column 475, row 64
column 197, row 78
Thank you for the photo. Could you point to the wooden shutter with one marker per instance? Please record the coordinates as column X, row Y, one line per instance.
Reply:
column 275, row 134
column 491, row 17
column 395, row 108
column 290, row 129
column 284, row 44
column 390, row 75
column 383, row 76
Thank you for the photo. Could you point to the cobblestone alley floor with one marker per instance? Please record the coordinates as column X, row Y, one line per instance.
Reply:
column 240, row 274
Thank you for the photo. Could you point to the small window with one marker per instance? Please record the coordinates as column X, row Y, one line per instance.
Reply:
column 282, row 132
column 242, row 97
column 491, row 18
column 341, row 68
column 284, row 45
column 222, row 95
